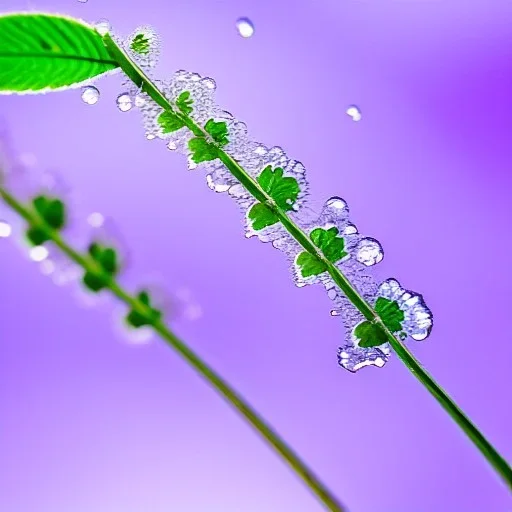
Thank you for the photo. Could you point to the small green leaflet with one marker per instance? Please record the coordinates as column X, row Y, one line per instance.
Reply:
column 332, row 247
column 140, row 44
column 390, row 313
column 204, row 151
column 169, row 122
column 184, row 102
column 283, row 190
column 136, row 320
column 52, row 212
column 107, row 259
column 41, row 52
column 370, row 334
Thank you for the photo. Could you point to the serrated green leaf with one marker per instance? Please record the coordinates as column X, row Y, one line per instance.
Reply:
column 391, row 314
column 262, row 216
column 218, row 131
column 310, row 265
column 202, row 150
column 332, row 247
column 369, row 334
column 283, row 190
column 184, row 102
column 136, row 320
column 40, row 52
column 169, row 122
column 94, row 282
column 140, row 44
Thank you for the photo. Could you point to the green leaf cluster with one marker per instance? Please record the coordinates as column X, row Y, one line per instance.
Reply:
column 370, row 334
column 332, row 247
column 107, row 260
column 205, row 151
column 52, row 212
column 284, row 191
column 136, row 320
column 140, row 44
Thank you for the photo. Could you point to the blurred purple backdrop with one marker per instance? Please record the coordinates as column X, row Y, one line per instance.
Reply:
column 89, row 423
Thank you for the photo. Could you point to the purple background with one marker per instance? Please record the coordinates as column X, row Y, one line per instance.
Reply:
column 90, row 423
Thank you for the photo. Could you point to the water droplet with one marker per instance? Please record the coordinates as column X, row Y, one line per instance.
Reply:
column 95, row 220
column 172, row 146
column 245, row 27
column 150, row 136
column 335, row 312
column 336, row 203
column 47, row 267
column 90, row 95
column 403, row 336
column 350, row 229
column 209, row 83
column 5, row 229
column 140, row 101
column 124, row 102
column 38, row 253
column 83, row 1
column 102, row 27
column 369, row 252
column 354, row 113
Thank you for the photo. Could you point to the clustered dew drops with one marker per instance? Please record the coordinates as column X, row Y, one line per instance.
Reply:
column 331, row 230
column 354, row 113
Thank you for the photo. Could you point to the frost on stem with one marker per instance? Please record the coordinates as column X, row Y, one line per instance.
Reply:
column 335, row 238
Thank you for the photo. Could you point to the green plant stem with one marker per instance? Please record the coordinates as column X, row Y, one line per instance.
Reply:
column 137, row 75
column 323, row 494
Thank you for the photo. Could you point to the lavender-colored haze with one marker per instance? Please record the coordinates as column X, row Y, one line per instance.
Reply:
column 90, row 423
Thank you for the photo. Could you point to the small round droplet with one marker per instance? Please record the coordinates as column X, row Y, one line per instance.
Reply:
column 245, row 27
column 5, row 229
column 124, row 102
column 90, row 95
column 209, row 83
column 335, row 312
column 350, row 229
column 172, row 146
column 150, row 136
column 102, row 27
column 38, row 253
column 354, row 113
column 336, row 203
column 140, row 101
column 369, row 252
column 96, row 220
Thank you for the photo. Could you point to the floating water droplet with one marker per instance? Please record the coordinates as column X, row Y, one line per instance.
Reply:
column 96, row 220
column 354, row 113
column 5, row 229
column 38, row 253
column 102, row 27
column 369, row 252
column 124, row 102
column 90, row 95
column 245, row 27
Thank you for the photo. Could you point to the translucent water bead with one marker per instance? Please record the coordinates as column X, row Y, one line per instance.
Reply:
column 124, row 102
column 90, row 95
column 418, row 319
column 5, row 229
column 369, row 252
column 245, row 27
column 354, row 112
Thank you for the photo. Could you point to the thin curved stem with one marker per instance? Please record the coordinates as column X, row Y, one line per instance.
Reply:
column 137, row 75
column 323, row 494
